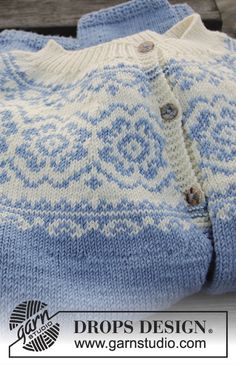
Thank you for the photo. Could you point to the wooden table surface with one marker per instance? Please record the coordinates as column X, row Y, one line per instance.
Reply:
column 60, row 16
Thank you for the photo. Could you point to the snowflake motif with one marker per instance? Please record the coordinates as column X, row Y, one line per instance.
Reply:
column 49, row 148
column 215, row 128
column 133, row 148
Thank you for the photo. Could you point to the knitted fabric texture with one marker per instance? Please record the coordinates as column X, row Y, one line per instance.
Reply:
column 102, row 26
column 29, row 41
column 94, row 175
column 129, row 18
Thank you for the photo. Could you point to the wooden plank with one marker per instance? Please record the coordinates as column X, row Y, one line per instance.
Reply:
column 199, row 6
column 34, row 13
column 53, row 16
column 227, row 9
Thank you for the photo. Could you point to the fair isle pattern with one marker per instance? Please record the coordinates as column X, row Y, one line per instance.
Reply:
column 118, row 144
column 93, row 180
column 127, row 218
column 209, row 125
column 209, row 120
column 114, row 142
column 107, row 81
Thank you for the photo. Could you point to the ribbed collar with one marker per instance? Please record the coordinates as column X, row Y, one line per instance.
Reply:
column 189, row 35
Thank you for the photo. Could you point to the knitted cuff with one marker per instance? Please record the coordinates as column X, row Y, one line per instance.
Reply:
column 129, row 18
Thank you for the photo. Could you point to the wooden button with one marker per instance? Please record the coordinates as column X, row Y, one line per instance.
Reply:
column 169, row 112
column 146, row 47
column 194, row 196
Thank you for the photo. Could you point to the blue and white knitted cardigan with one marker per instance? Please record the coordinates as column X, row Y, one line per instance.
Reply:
column 117, row 171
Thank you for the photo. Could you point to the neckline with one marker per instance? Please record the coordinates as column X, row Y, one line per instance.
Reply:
column 181, row 30
column 56, row 59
